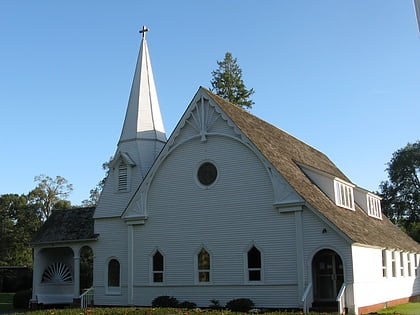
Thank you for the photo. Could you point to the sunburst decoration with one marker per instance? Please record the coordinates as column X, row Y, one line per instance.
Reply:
column 57, row 272
column 203, row 117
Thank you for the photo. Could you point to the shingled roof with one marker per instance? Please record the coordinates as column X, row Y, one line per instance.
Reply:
column 66, row 226
column 286, row 152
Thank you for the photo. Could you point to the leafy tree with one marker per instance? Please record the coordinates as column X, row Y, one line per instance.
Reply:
column 95, row 193
column 86, row 268
column 50, row 193
column 401, row 192
column 19, row 220
column 227, row 82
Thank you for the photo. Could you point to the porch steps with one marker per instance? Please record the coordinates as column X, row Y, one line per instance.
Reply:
column 324, row 307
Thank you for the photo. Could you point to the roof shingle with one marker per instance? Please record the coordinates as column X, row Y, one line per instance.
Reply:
column 285, row 152
column 67, row 225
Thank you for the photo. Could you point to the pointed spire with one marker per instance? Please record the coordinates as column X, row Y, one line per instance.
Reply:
column 143, row 119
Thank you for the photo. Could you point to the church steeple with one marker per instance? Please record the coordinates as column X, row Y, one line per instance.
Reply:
column 143, row 119
column 143, row 124
column 142, row 138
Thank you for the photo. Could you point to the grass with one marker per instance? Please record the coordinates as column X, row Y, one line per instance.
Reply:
column 142, row 311
column 412, row 308
column 6, row 301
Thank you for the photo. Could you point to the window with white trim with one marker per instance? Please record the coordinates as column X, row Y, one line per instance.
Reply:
column 254, row 264
column 343, row 194
column 374, row 206
column 409, row 266
column 402, row 263
column 114, row 273
column 203, row 266
column 416, row 263
column 158, row 267
column 384, row 269
column 393, row 264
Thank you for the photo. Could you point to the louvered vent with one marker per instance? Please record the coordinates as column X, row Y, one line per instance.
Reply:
column 122, row 177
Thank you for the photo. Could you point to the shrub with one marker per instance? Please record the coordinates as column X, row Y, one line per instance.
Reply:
column 21, row 299
column 165, row 301
column 240, row 305
column 187, row 304
column 215, row 305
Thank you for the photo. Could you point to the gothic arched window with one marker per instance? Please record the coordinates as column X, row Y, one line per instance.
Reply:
column 254, row 264
column 158, row 267
column 113, row 273
column 203, row 266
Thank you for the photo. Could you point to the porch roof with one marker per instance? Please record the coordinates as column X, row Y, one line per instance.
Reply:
column 67, row 225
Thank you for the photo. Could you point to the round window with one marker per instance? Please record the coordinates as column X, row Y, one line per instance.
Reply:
column 207, row 173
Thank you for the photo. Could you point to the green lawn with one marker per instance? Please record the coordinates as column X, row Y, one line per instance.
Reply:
column 6, row 301
column 403, row 309
column 144, row 311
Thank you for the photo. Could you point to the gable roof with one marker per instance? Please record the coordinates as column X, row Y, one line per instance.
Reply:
column 286, row 152
column 66, row 226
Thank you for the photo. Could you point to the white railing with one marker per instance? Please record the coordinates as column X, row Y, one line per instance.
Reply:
column 307, row 298
column 341, row 299
column 86, row 298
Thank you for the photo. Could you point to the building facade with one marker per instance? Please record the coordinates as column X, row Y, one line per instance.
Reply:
column 227, row 207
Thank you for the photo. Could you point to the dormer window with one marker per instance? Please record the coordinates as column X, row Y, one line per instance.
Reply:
column 374, row 206
column 343, row 194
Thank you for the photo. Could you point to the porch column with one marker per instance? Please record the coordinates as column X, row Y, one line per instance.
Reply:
column 35, row 273
column 76, row 277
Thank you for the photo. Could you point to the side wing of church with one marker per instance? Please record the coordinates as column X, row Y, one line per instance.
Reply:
column 229, row 207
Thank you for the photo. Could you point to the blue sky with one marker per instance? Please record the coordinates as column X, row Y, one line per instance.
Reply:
column 343, row 76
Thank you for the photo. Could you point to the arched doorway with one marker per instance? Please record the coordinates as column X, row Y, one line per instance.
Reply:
column 327, row 275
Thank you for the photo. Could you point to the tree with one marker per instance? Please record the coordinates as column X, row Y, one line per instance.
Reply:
column 86, row 268
column 227, row 82
column 50, row 193
column 19, row 220
column 401, row 192
column 95, row 193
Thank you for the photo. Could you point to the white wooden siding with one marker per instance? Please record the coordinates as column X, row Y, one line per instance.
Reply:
column 112, row 242
column 370, row 286
column 316, row 239
column 113, row 202
column 227, row 218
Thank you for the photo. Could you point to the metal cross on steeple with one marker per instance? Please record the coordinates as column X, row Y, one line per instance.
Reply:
column 143, row 31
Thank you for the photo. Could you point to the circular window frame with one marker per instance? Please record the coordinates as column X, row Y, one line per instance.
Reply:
column 197, row 176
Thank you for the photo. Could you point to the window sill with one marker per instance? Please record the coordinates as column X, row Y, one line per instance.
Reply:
column 113, row 291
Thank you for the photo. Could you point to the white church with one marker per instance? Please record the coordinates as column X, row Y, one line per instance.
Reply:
column 229, row 206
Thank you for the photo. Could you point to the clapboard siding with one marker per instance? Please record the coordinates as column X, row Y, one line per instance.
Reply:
column 368, row 278
column 315, row 240
column 112, row 243
column 113, row 202
column 183, row 217
column 102, row 298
